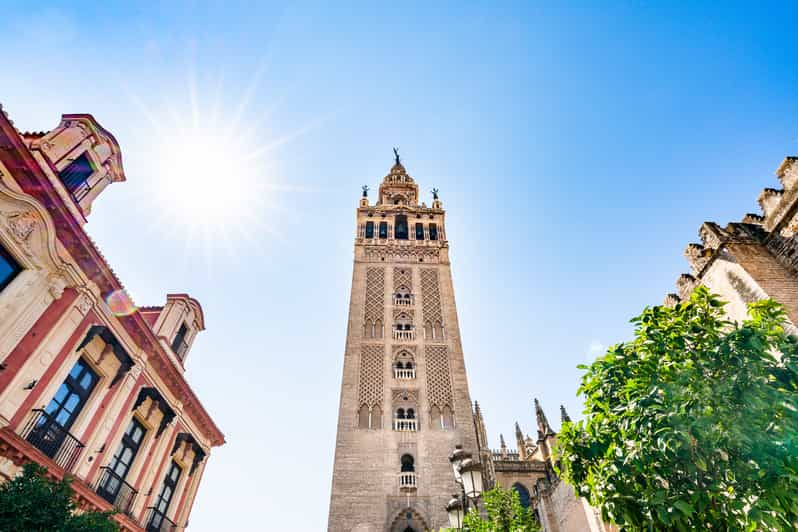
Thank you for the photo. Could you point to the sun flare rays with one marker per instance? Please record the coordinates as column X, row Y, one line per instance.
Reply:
column 212, row 173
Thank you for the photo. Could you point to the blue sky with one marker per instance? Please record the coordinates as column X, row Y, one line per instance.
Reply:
column 577, row 150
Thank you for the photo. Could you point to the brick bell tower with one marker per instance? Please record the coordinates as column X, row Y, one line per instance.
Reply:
column 404, row 393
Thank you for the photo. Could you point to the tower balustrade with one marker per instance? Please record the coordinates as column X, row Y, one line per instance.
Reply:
column 404, row 374
column 405, row 425
column 404, row 335
column 407, row 480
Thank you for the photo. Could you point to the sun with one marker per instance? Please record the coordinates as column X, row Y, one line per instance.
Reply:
column 209, row 181
column 210, row 171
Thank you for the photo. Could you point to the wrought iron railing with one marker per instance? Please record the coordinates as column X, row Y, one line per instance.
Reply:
column 115, row 490
column 158, row 522
column 44, row 433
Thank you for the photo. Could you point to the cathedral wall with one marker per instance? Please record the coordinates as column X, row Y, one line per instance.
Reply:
column 730, row 280
column 565, row 512
column 775, row 279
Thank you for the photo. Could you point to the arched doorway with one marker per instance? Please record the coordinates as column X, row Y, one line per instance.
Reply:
column 408, row 520
column 523, row 494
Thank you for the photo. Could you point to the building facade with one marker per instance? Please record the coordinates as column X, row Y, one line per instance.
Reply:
column 90, row 385
column 404, row 395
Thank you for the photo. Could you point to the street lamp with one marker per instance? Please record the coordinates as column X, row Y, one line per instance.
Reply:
column 456, row 512
column 471, row 474
column 468, row 474
column 456, row 458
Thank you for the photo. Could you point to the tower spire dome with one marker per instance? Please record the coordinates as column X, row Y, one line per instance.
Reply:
column 398, row 188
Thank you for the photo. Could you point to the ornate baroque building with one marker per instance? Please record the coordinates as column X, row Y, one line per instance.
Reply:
column 90, row 386
column 404, row 394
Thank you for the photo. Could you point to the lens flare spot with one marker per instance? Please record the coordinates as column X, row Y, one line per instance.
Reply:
column 120, row 303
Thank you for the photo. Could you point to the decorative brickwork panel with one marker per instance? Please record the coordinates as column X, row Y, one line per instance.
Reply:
column 402, row 253
column 439, row 380
column 371, row 369
column 375, row 295
column 431, row 295
column 398, row 313
column 402, row 277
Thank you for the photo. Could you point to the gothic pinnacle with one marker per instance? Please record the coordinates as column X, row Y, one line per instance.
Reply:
column 544, row 429
column 564, row 417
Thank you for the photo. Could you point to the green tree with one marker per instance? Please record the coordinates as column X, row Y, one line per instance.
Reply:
column 33, row 503
column 505, row 514
column 693, row 425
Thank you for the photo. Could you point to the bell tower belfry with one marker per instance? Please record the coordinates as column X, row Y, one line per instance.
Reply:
column 404, row 394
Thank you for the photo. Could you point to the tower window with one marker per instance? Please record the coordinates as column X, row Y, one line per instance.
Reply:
column 369, row 229
column 383, row 229
column 433, row 232
column 400, row 232
column 408, row 464
column 76, row 175
column 9, row 268
column 419, row 231
column 363, row 416
column 179, row 345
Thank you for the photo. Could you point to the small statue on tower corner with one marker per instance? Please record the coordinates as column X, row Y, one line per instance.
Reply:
column 396, row 155
column 435, row 193
column 365, row 191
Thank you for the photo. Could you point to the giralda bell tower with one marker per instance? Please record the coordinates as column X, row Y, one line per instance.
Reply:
column 404, row 393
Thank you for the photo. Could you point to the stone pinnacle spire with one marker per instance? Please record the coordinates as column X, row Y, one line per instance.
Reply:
column 544, row 429
column 564, row 417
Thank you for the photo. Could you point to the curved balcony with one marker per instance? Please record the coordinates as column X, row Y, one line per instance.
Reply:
column 115, row 490
column 44, row 433
column 158, row 522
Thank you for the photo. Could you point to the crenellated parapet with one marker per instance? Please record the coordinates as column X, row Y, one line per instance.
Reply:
column 756, row 257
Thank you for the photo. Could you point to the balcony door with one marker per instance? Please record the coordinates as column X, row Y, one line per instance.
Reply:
column 53, row 425
column 115, row 474
column 165, row 497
